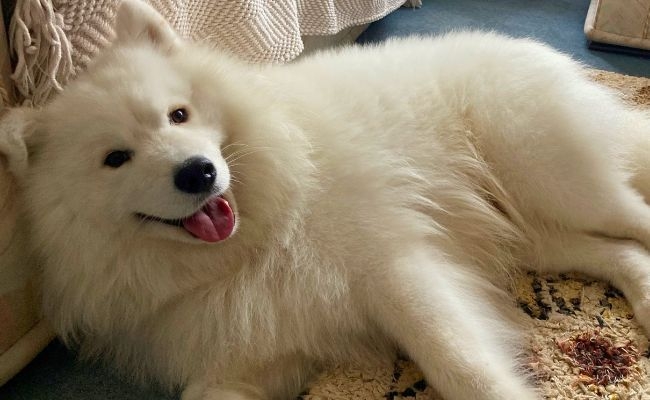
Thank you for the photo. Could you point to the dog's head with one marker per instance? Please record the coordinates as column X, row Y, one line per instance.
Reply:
column 130, row 175
column 136, row 145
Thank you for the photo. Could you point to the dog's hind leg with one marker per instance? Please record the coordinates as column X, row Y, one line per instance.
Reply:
column 623, row 263
column 627, row 213
column 627, row 216
column 582, row 192
column 566, row 163
column 439, row 313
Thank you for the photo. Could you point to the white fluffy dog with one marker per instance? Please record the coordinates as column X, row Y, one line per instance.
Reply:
column 230, row 229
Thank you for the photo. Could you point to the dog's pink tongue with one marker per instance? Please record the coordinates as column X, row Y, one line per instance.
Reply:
column 213, row 223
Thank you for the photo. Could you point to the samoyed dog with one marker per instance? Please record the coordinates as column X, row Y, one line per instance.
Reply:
column 229, row 229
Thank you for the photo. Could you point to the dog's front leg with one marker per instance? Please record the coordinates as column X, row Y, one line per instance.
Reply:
column 202, row 390
column 436, row 312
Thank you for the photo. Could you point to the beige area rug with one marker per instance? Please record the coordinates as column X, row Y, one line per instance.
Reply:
column 585, row 343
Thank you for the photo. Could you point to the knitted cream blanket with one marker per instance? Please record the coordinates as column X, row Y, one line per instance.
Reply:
column 53, row 39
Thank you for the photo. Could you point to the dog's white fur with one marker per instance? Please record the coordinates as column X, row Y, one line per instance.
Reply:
column 383, row 195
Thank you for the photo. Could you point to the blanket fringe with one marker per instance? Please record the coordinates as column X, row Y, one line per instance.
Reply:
column 44, row 55
column 42, row 50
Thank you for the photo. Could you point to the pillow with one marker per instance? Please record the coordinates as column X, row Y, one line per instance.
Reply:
column 619, row 22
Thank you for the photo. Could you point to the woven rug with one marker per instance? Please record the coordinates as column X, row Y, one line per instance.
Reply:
column 585, row 343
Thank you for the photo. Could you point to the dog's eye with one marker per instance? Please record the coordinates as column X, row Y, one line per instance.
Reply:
column 178, row 116
column 115, row 159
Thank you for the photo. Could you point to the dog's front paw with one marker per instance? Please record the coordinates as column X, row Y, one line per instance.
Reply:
column 200, row 391
column 194, row 391
column 641, row 310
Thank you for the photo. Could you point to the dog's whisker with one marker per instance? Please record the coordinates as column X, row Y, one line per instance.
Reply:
column 240, row 156
column 248, row 150
column 235, row 156
column 239, row 182
column 231, row 145
column 233, row 170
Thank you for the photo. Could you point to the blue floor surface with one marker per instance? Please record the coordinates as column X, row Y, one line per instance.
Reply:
column 556, row 22
column 56, row 374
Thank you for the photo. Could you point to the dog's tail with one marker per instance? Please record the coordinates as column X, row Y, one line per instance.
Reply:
column 637, row 153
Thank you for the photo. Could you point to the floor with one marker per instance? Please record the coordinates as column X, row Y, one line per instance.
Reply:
column 55, row 375
column 556, row 22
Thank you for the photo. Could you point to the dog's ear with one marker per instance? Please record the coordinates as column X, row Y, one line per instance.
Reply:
column 138, row 21
column 16, row 127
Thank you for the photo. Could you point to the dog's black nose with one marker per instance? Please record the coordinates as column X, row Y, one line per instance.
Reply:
column 196, row 175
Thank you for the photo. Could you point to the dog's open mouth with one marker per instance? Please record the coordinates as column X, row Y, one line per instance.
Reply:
column 213, row 222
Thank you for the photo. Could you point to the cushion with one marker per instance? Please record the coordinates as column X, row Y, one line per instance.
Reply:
column 619, row 22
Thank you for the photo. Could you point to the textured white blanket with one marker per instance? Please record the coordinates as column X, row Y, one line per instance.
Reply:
column 53, row 39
